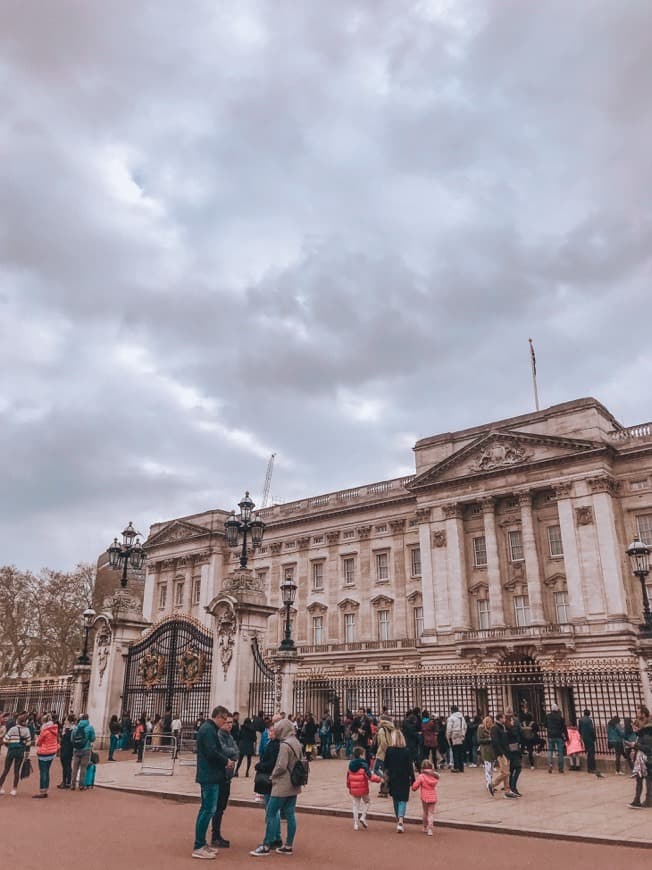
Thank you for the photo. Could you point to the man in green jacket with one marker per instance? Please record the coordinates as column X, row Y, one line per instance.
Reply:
column 212, row 765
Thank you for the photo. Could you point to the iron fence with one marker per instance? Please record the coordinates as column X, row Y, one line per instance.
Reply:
column 262, row 689
column 50, row 694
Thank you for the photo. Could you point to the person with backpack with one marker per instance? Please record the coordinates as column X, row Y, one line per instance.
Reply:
column 288, row 776
column 455, row 733
column 83, row 737
column 17, row 739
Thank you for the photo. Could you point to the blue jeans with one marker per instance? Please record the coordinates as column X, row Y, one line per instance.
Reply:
column 274, row 824
column 326, row 743
column 44, row 771
column 400, row 808
column 209, row 795
column 114, row 741
column 277, row 807
column 558, row 744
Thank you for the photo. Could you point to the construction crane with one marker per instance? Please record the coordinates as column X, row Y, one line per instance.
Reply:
column 268, row 480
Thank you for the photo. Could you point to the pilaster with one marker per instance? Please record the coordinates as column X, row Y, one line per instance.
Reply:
column 611, row 557
column 459, row 593
column 532, row 568
column 427, row 575
column 572, row 565
column 496, row 605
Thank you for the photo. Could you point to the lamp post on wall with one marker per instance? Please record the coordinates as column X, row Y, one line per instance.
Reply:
column 88, row 619
column 288, row 594
column 243, row 527
column 127, row 553
column 639, row 558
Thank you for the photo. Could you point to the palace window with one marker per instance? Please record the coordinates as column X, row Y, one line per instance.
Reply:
column 418, row 621
column 349, row 627
column 555, row 547
column 162, row 596
column 522, row 610
column 319, row 539
column 261, row 575
column 178, row 594
column 349, row 533
column 515, row 540
column 383, row 625
column 480, row 552
column 196, row 590
column 348, row 568
column 561, row 607
column 317, row 576
column 415, row 561
column 318, row 630
column 288, row 572
column 382, row 567
column 482, row 605
column 382, row 528
column 645, row 528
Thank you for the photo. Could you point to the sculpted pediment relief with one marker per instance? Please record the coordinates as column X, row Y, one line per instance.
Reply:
column 499, row 452
column 177, row 530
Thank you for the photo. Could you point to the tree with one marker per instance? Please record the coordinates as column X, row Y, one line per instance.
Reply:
column 41, row 622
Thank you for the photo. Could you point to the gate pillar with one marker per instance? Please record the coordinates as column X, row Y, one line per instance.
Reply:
column 287, row 662
column 241, row 613
column 120, row 622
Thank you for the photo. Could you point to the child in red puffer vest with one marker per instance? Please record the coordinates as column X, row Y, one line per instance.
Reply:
column 358, row 777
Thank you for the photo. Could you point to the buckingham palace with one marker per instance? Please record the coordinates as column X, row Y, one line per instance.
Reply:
column 495, row 575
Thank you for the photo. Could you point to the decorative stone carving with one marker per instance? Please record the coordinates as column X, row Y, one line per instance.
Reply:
column 584, row 515
column 226, row 630
column 348, row 604
column 152, row 668
column 488, row 504
column 303, row 543
column 452, row 511
column 525, row 499
column 364, row 532
column 243, row 580
column 439, row 538
column 423, row 514
column 317, row 607
column 397, row 526
column 563, row 490
column 191, row 667
column 499, row 455
column 103, row 642
column 604, row 483
column 275, row 548
column 332, row 537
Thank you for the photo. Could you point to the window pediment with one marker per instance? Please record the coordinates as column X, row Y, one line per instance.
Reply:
column 382, row 601
column 348, row 604
column 317, row 607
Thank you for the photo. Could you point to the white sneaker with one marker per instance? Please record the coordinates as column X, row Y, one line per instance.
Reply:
column 429, row 833
column 399, row 828
column 363, row 822
column 206, row 854
column 13, row 792
column 355, row 827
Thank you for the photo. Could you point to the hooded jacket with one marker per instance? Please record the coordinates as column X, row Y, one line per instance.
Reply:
column 456, row 728
column 89, row 733
column 383, row 738
column 47, row 743
column 358, row 776
column 289, row 752
column 427, row 781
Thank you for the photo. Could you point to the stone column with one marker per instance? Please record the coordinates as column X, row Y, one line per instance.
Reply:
column 304, row 581
column 532, row 569
column 427, row 576
column 80, row 688
column 496, row 605
column 364, row 592
column 611, row 556
column 456, row 564
column 275, row 627
column 399, row 580
column 572, row 565
column 287, row 664
column 441, row 581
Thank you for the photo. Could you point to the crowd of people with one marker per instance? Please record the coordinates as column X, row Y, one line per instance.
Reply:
column 400, row 756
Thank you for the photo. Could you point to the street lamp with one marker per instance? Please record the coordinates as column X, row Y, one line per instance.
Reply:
column 88, row 618
column 127, row 553
column 639, row 559
column 243, row 526
column 288, row 594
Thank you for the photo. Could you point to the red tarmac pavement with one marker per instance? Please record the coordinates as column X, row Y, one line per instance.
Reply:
column 109, row 830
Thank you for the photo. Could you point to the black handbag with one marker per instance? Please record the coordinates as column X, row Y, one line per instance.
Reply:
column 95, row 758
column 26, row 769
column 263, row 782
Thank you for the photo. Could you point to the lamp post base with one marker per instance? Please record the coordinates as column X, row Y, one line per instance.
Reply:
column 287, row 645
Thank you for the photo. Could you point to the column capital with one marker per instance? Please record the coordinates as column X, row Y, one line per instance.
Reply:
column 275, row 548
column 423, row 514
column 333, row 536
column 452, row 511
column 488, row 504
column 363, row 532
column 563, row 490
column 525, row 499
column 397, row 526
column 303, row 543
column 603, row 483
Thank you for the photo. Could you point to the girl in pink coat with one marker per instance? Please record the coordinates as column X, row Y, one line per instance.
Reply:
column 427, row 781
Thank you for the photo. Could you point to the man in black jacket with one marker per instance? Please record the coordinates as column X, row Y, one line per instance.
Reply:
column 212, row 765
column 500, row 746
column 587, row 732
column 557, row 737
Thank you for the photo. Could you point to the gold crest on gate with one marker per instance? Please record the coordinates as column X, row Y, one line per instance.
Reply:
column 151, row 669
column 191, row 667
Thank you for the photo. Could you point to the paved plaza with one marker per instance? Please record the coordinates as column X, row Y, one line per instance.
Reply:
column 570, row 805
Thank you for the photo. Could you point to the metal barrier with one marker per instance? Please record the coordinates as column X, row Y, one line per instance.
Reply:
column 159, row 755
column 187, row 748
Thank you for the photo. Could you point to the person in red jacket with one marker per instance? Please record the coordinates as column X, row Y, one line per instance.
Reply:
column 357, row 781
column 47, row 746
column 427, row 781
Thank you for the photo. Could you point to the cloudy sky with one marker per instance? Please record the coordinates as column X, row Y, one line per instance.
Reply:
column 320, row 229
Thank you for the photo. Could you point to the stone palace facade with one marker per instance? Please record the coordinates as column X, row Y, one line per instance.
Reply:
column 498, row 570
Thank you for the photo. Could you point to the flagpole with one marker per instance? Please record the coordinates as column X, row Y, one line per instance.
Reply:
column 533, row 361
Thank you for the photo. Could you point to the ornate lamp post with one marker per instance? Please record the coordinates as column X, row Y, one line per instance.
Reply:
column 288, row 594
column 127, row 553
column 88, row 619
column 639, row 558
column 247, row 525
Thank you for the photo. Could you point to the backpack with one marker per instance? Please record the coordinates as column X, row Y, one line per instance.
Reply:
column 300, row 771
column 79, row 738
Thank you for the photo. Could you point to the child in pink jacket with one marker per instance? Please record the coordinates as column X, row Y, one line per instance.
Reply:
column 427, row 781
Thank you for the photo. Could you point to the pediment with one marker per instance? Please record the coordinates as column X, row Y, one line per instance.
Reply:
column 382, row 601
column 498, row 452
column 348, row 604
column 177, row 530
